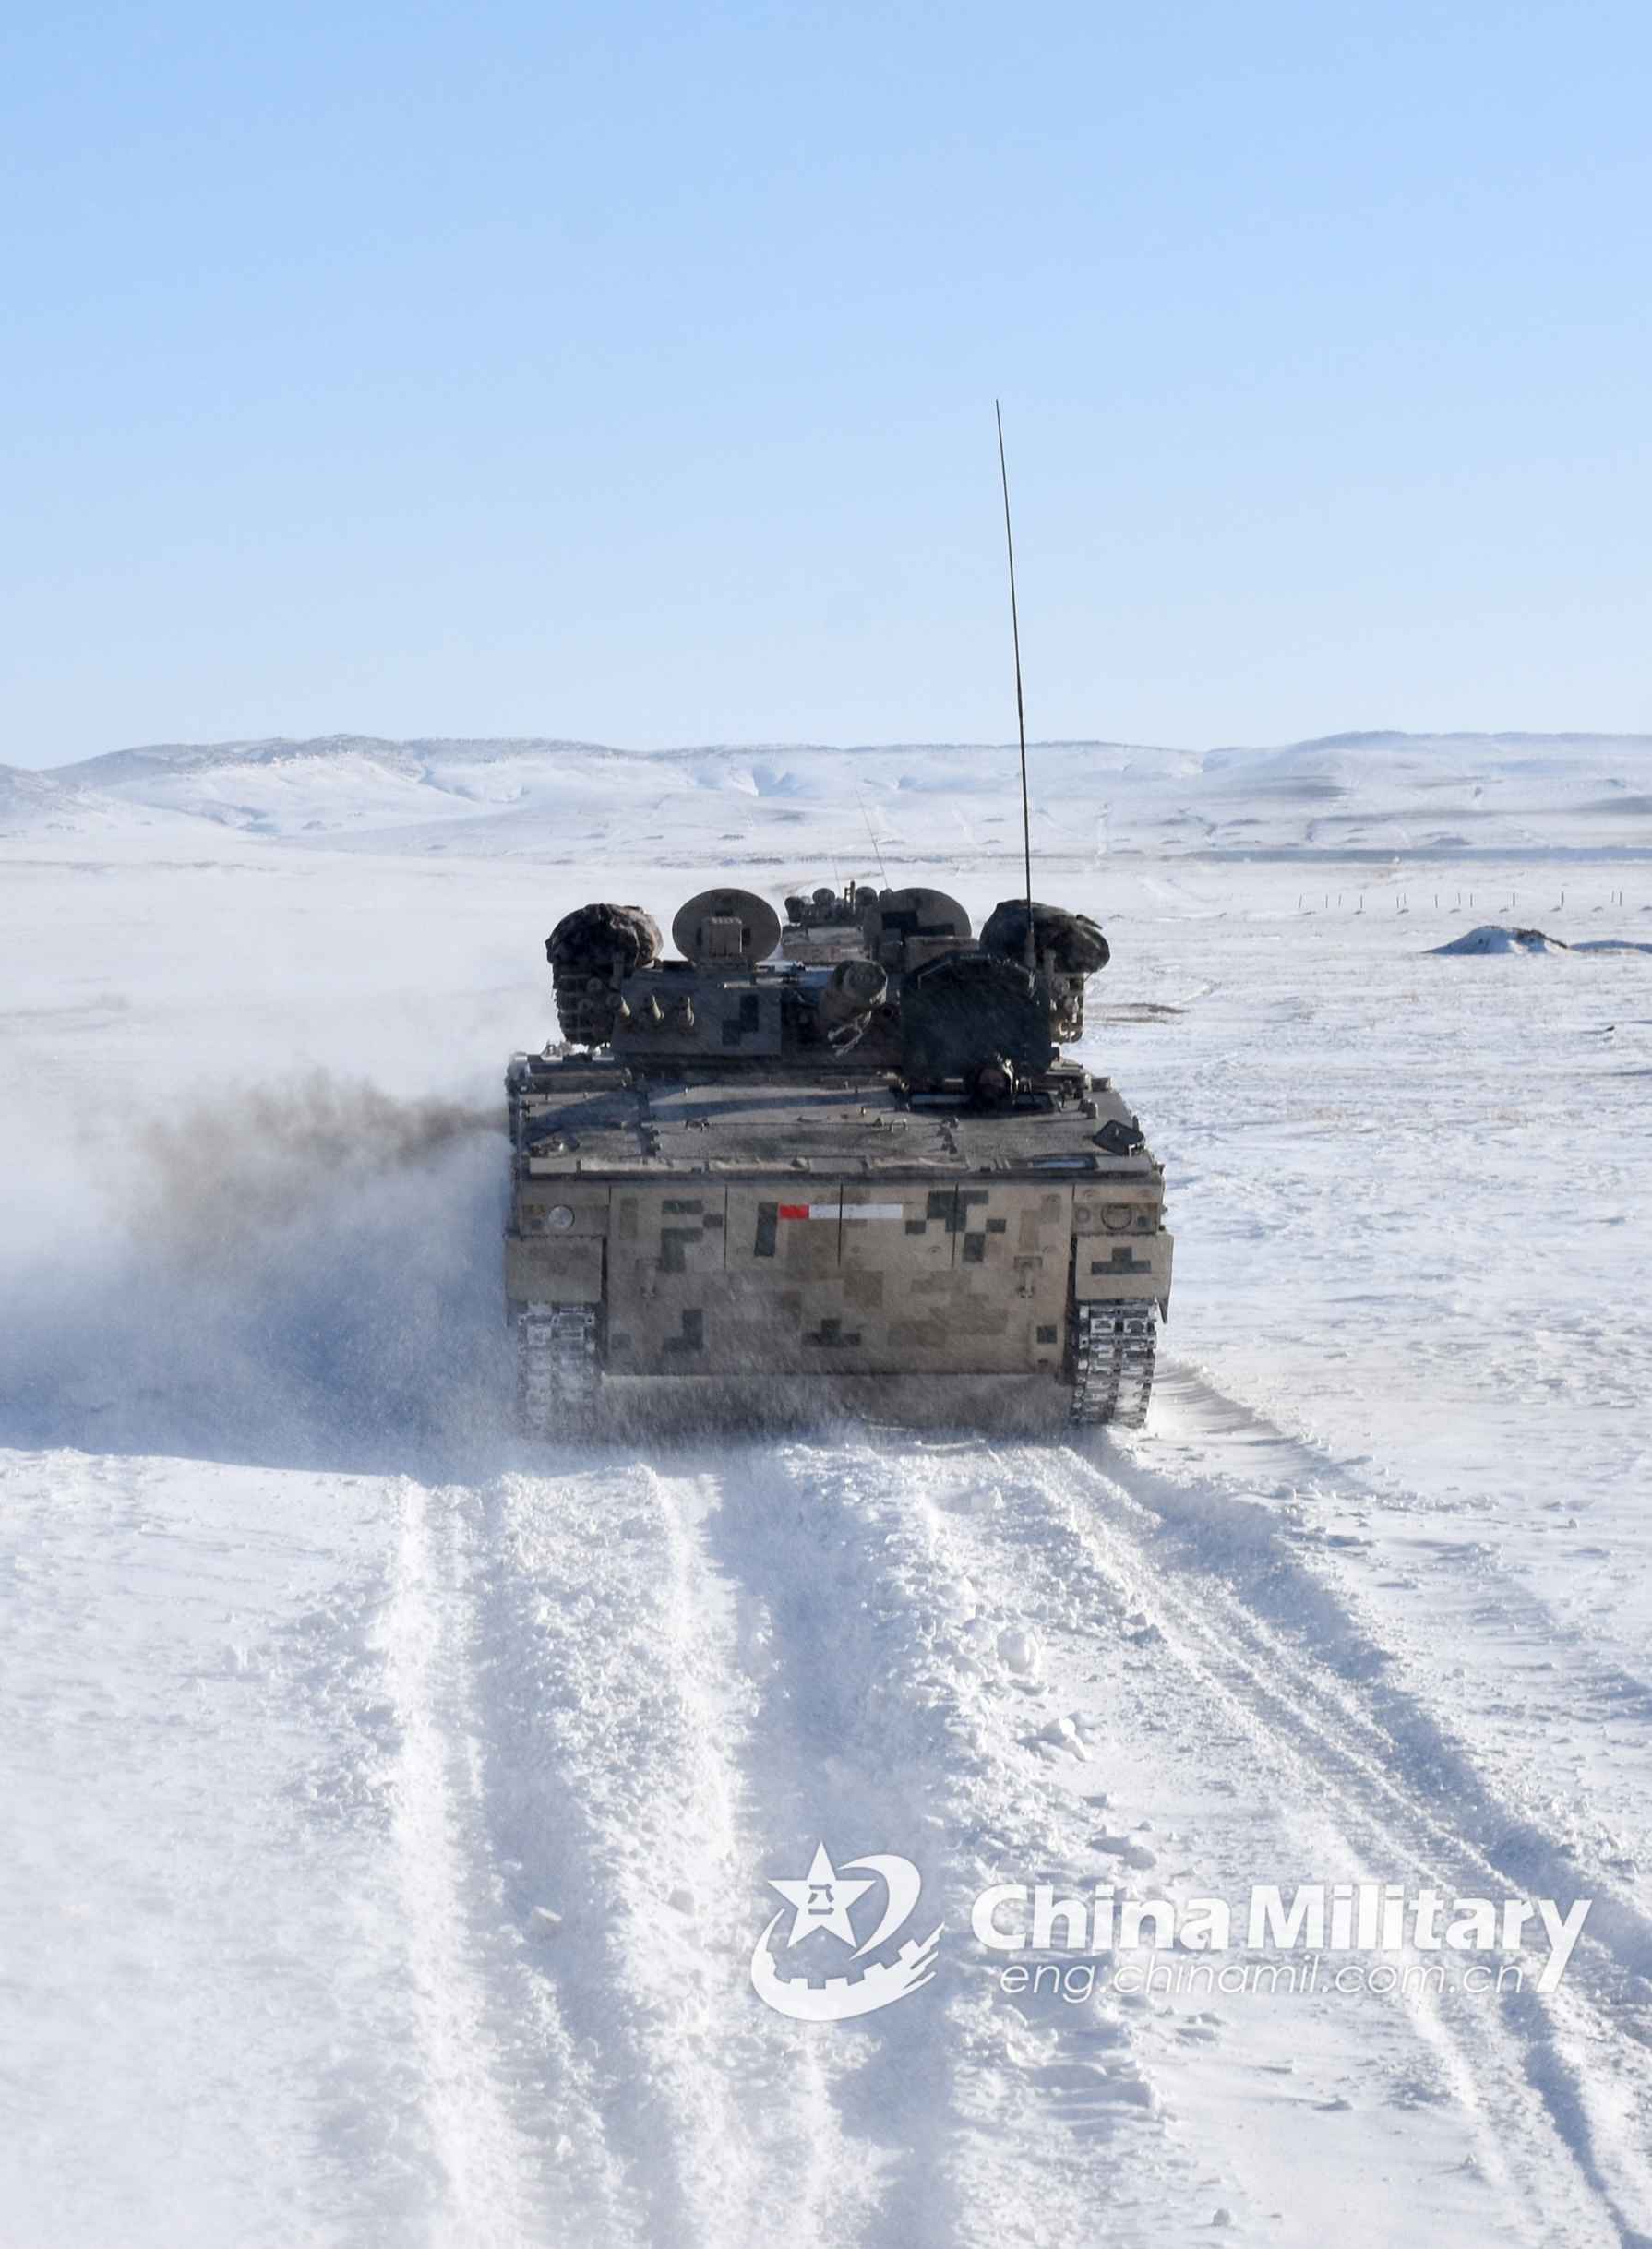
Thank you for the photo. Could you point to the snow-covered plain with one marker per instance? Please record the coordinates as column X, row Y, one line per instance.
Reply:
column 388, row 1807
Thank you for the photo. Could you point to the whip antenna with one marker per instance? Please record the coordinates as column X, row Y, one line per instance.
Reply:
column 1020, row 722
column 877, row 847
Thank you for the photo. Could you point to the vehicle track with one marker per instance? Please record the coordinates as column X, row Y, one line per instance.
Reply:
column 657, row 1684
column 1553, row 2108
column 898, row 1732
column 627, row 1692
column 618, row 1713
column 485, row 2036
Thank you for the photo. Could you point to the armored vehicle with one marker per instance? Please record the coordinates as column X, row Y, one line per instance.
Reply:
column 834, row 1167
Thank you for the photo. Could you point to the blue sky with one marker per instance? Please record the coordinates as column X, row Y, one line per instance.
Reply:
column 626, row 372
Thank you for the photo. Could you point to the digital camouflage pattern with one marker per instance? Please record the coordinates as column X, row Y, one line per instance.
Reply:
column 858, row 1178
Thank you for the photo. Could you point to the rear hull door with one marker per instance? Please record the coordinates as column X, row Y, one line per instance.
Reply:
column 801, row 1278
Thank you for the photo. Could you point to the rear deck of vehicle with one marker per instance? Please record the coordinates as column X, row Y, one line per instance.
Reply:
column 797, row 1232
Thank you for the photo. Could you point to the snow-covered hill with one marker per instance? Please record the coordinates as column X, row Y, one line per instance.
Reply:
column 41, row 800
column 1377, row 793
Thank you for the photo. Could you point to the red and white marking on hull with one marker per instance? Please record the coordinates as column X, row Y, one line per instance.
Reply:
column 846, row 1209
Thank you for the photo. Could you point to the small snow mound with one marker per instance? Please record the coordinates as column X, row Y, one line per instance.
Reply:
column 1491, row 937
column 1133, row 1854
column 1019, row 1651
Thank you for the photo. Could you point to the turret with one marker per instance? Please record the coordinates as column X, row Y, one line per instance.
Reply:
column 892, row 977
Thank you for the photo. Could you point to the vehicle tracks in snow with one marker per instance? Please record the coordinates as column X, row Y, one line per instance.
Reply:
column 626, row 1692
column 620, row 1709
column 903, row 1731
column 485, row 2039
column 1555, row 2088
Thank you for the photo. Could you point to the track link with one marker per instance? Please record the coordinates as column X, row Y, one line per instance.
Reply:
column 1114, row 1342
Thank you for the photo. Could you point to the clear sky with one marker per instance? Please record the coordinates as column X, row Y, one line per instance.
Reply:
column 625, row 371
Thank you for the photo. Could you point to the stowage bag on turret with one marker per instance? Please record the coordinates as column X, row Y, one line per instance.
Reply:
column 967, row 1010
column 591, row 950
column 603, row 937
column 1072, row 942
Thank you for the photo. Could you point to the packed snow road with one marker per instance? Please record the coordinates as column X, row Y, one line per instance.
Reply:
column 462, row 1943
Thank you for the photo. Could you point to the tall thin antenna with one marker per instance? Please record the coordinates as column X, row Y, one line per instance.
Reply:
column 877, row 847
column 1021, row 720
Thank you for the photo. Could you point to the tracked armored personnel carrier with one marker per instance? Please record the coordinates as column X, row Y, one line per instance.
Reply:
column 834, row 1167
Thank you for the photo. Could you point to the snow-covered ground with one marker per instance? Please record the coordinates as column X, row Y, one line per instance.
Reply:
column 389, row 1807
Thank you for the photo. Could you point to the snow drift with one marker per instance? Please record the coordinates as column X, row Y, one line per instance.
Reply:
column 1491, row 937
